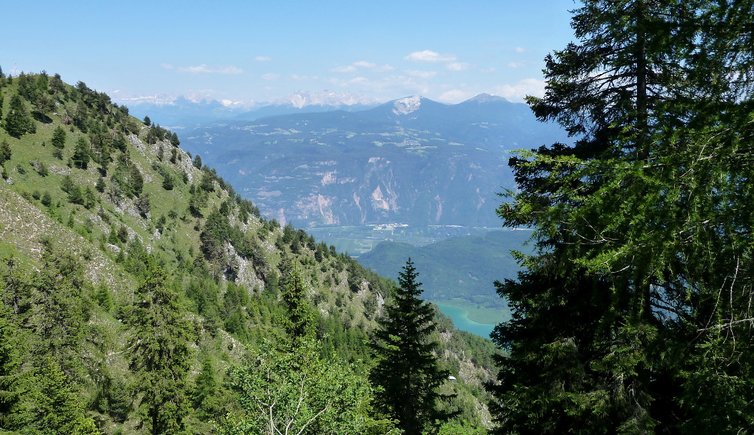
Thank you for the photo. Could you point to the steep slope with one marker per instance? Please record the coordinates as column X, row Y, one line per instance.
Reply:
column 413, row 160
column 92, row 200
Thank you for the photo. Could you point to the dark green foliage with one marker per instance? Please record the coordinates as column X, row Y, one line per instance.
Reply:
column 46, row 199
column 147, row 121
column 167, row 181
column 77, row 195
column 18, row 121
column 100, row 186
column 5, row 152
column 197, row 162
column 205, row 395
column 630, row 314
column 407, row 370
column 82, row 153
column 160, row 352
column 101, row 145
column 56, row 406
column 300, row 321
column 174, row 139
column 60, row 309
column 58, row 137
column 10, row 390
column 119, row 142
column 103, row 297
column 207, row 183
column 27, row 87
column 126, row 179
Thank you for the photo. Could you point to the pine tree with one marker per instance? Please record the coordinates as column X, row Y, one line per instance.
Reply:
column 59, row 312
column 57, row 407
column 18, row 121
column 5, row 152
column 300, row 321
column 206, row 390
column 10, row 390
column 638, row 226
column 407, row 369
column 81, row 154
column 160, row 352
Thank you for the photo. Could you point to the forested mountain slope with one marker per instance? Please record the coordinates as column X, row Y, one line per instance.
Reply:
column 115, row 242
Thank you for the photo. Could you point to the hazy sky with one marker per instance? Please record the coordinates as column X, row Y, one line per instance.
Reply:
column 254, row 51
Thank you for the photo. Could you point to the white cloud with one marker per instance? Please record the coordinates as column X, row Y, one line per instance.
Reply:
column 515, row 65
column 429, row 56
column 457, row 66
column 207, row 69
column 362, row 65
column 263, row 58
column 270, row 76
column 520, row 89
column 422, row 74
column 520, row 50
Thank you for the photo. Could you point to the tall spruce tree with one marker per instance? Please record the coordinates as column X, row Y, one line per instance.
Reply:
column 58, row 137
column 10, row 360
column 160, row 352
column 618, row 316
column 18, row 121
column 81, row 154
column 300, row 322
column 407, row 369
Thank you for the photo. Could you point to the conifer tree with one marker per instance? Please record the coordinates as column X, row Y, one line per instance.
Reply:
column 58, row 137
column 59, row 311
column 10, row 391
column 5, row 152
column 638, row 226
column 300, row 321
column 160, row 352
column 407, row 369
column 81, row 154
column 18, row 121
column 56, row 406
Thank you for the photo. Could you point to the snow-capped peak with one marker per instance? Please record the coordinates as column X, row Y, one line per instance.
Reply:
column 325, row 98
column 407, row 105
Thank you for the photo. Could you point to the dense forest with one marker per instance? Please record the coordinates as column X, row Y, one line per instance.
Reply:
column 142, row 294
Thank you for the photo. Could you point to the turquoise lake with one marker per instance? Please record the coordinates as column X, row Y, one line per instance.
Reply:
column 461, row 319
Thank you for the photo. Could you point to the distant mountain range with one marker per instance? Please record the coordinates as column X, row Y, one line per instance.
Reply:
column 412, row 160
column 182, row 112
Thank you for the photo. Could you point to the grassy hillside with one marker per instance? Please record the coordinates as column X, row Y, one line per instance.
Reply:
column 94, row 204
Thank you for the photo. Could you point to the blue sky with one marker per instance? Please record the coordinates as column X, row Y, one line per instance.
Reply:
column 248, row 52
